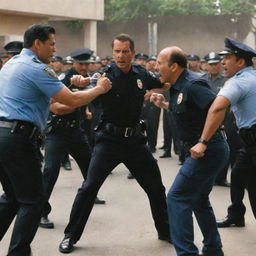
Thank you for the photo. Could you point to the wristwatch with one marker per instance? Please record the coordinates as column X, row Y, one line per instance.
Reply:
column 205, row 142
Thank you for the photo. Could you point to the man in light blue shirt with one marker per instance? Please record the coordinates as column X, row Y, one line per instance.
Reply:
column 27, row 84
column 239, row 92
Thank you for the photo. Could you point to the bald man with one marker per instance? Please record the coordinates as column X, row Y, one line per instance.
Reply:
column 190, row 99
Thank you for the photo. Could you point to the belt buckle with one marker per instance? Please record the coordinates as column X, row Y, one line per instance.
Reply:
column 127, row 133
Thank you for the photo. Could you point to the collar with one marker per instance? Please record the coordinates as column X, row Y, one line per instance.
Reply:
column 119, row 72
column 28, row 52
column 244, row 70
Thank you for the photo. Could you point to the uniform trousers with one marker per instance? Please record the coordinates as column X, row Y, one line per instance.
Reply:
column 59, row 141
column 243, row 176
column 189, row 194
column 109, row 151
column 21, row 179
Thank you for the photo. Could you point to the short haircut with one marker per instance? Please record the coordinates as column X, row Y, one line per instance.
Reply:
column 124, row 38
column 247, row 59
column 37, row 31
column 179, row 58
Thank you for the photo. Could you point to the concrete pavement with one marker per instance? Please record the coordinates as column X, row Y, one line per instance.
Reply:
column 124, row 227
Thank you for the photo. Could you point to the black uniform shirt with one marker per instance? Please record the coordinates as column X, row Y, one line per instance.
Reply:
column 122, row 104
column 190, row 99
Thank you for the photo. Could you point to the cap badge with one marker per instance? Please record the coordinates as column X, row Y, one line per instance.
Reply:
column 180, row 98
column 139, row 83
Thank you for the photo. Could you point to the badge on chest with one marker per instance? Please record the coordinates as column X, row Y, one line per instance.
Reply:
column 180, row 98
column 139, row 84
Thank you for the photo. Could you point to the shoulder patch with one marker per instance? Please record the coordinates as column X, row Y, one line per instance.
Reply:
column 36, row 60
column 61, row 76
column 50, row 72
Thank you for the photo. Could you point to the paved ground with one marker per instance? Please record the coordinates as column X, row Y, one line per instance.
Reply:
column 123, row 227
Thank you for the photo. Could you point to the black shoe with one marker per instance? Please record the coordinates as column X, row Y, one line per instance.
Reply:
column 99, row 201
column 163, row 147
column 165, row 238
column 222, row 183
column 229, row 222
column 166, row 154
column 46, row 223
column 66, row 245
column 130, row 176
column 67, row 166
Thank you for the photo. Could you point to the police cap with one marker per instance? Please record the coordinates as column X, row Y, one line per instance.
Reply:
column 238, row 48
column 212, row 57
column 81, row 55
column 67, row 60
column 141, row 56
column 152, row 57
column 14, row 47
column 193, row 57
column 56, row 59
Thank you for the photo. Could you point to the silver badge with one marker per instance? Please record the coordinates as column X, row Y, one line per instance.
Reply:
column 180, row 98
column 61, row 76
column 139, row 83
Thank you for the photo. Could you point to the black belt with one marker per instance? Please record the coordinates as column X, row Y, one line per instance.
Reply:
column 123, row 131
column 22, row 127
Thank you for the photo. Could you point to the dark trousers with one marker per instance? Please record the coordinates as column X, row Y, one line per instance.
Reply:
column 243, row 176
column 190, row 194
column 21, row 179
column 151, row 114
column 58, row 142
column 108, row 152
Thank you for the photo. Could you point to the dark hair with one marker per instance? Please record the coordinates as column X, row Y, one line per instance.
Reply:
column 179, row 58
column 247, row 59
column 37, row 31
column 124, row 38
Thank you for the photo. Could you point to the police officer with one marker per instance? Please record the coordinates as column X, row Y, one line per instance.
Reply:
column 26, row 85
column 11, row 49
column 239, row 92
column 190, row 98
column 119, row 139
column 141, row 59
column 57, row 64
column 65, row 135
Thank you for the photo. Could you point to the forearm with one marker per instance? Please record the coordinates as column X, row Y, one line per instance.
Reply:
column 61, row 109
column 212, row 123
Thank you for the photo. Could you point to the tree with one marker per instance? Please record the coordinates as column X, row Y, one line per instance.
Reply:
column 116, row 10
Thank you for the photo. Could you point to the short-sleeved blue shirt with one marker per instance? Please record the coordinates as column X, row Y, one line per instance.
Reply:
column 240, row 90
column 190, row 99
column 26, row 86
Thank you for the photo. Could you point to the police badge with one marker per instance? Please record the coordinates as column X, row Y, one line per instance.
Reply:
column 180, row 98
column 139, row 83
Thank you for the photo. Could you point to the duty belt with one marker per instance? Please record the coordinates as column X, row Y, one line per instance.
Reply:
column 123, row 131
column 22, row 127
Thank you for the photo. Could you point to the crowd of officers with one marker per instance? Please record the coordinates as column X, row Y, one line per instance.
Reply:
column 70, row 130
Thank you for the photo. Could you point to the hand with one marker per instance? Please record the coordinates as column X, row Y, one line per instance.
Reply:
column 158, row 99
column 80, row 81
column 104, row 84
column 147, row 94
column 197, row 151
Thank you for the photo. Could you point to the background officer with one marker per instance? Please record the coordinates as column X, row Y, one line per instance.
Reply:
column 190, row 98
column 239, row 92
column 64, row 134
column 11, row 49
column 26, row 85
column 141, row 59
column 120, row 139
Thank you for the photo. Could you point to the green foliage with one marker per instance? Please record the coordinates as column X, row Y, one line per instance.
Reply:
column 74, row 24
column 116, row 10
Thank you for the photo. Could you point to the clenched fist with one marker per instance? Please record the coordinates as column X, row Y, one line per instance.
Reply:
column 103, row 84
column 80, row 81
column 159, row 100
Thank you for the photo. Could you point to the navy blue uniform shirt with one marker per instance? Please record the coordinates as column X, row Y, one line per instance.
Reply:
column 122, row 104
column 190, row 99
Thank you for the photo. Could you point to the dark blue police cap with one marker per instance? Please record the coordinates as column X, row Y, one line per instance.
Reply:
column 212, row 57
column 14, row 47
column 56, row 59
column 81, row 55
column 192, row 57
column 141, row 56
column 152, row 57
column 235, row 47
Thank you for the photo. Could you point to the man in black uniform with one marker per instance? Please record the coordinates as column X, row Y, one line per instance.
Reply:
column 190, row 98
column 120, row 139
column 65, row 135
column 11, row 49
